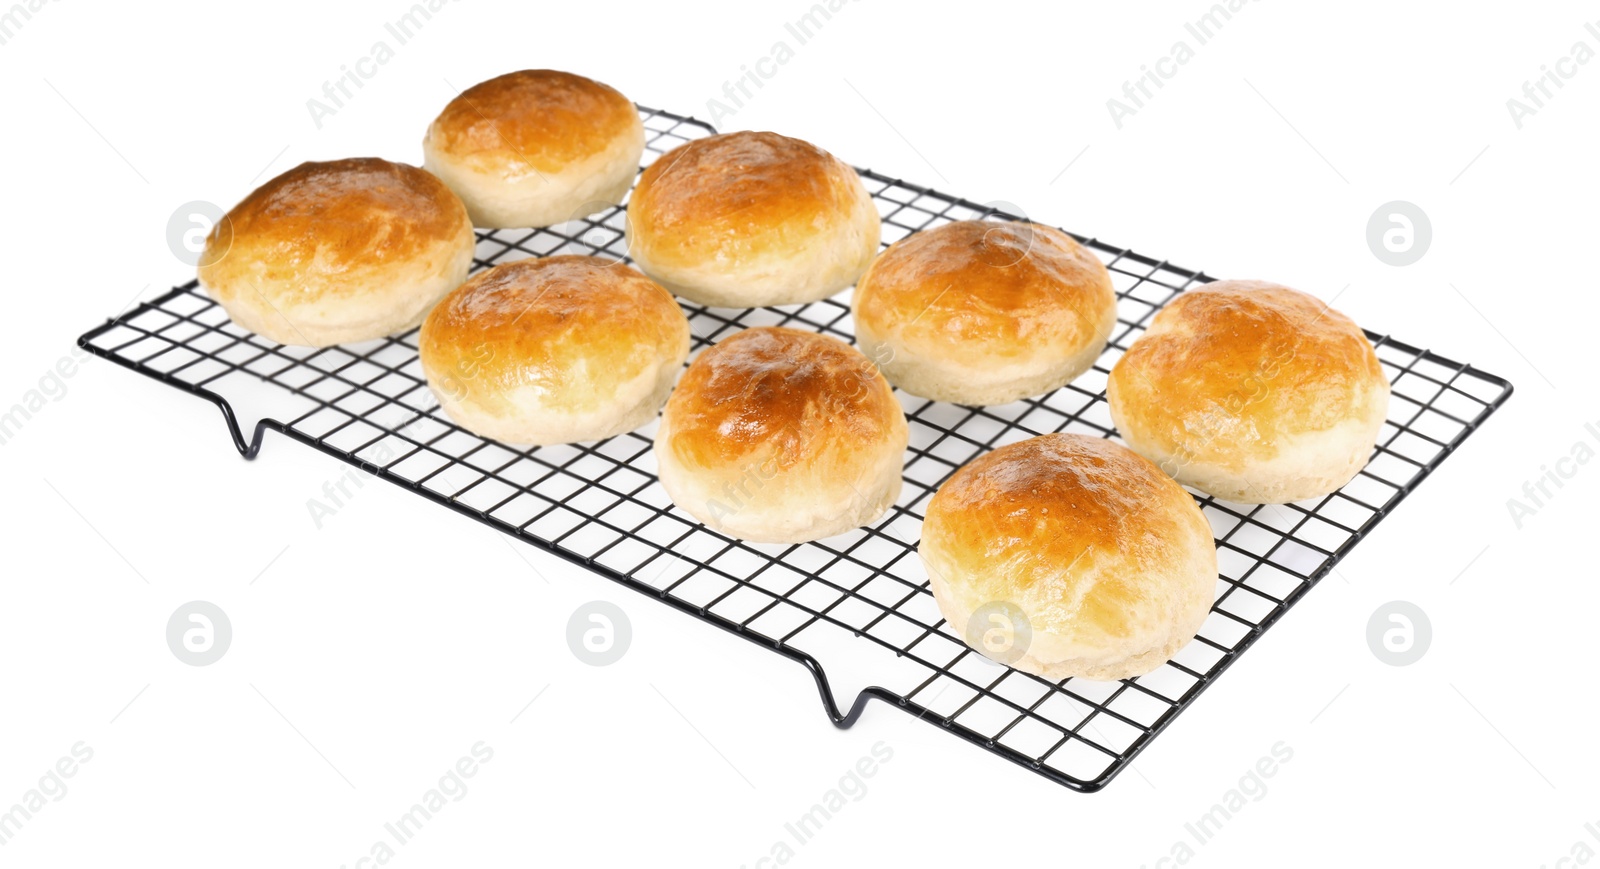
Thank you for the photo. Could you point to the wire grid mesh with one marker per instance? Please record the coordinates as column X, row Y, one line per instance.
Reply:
column 859, row 601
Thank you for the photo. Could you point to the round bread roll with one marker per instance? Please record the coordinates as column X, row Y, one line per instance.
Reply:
column 1251, row 392
column 330, row 253
column 554, row 350
column 745, row 220
column 1066, row 555
column 536, row 148
column 984, row 312
column 782, row 436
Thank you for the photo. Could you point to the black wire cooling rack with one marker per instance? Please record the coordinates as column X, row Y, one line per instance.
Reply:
column 859, row 600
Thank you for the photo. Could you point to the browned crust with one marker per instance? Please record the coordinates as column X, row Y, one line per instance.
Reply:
column 326, row 219
column 530, row 322
column 789, row 395
column 739, row 193
column 1031, row 510
column 990, row 287
column 1233, row 367
column 541, row 117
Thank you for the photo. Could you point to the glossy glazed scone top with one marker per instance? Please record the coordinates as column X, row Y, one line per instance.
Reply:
column 543, row 323
column 319, row 226
column 980, row 289
column 738, row 194
column 1081, row 533
column 788, row 396
column 543, row 119
column 1232, row 369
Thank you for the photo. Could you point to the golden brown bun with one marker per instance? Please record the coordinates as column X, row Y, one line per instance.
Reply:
column 782, row 436
column 329, row 253
column 1251, row 392
column 536, row 148
column 744, row 220
column 555, row 350
column 984, row 312
column 1108, row 563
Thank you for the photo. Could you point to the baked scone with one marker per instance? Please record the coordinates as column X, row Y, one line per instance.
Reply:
column 1085, row 558
column 536, row 148
column 1251, row 392
column 332, row 253
column 554, row 350
column 744, row 220
column 782, row 436
column 983, row 312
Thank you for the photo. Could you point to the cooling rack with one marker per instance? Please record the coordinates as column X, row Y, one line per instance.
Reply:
column 859, row 602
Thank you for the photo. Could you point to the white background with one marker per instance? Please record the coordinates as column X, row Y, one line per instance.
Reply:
column 375, row 652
